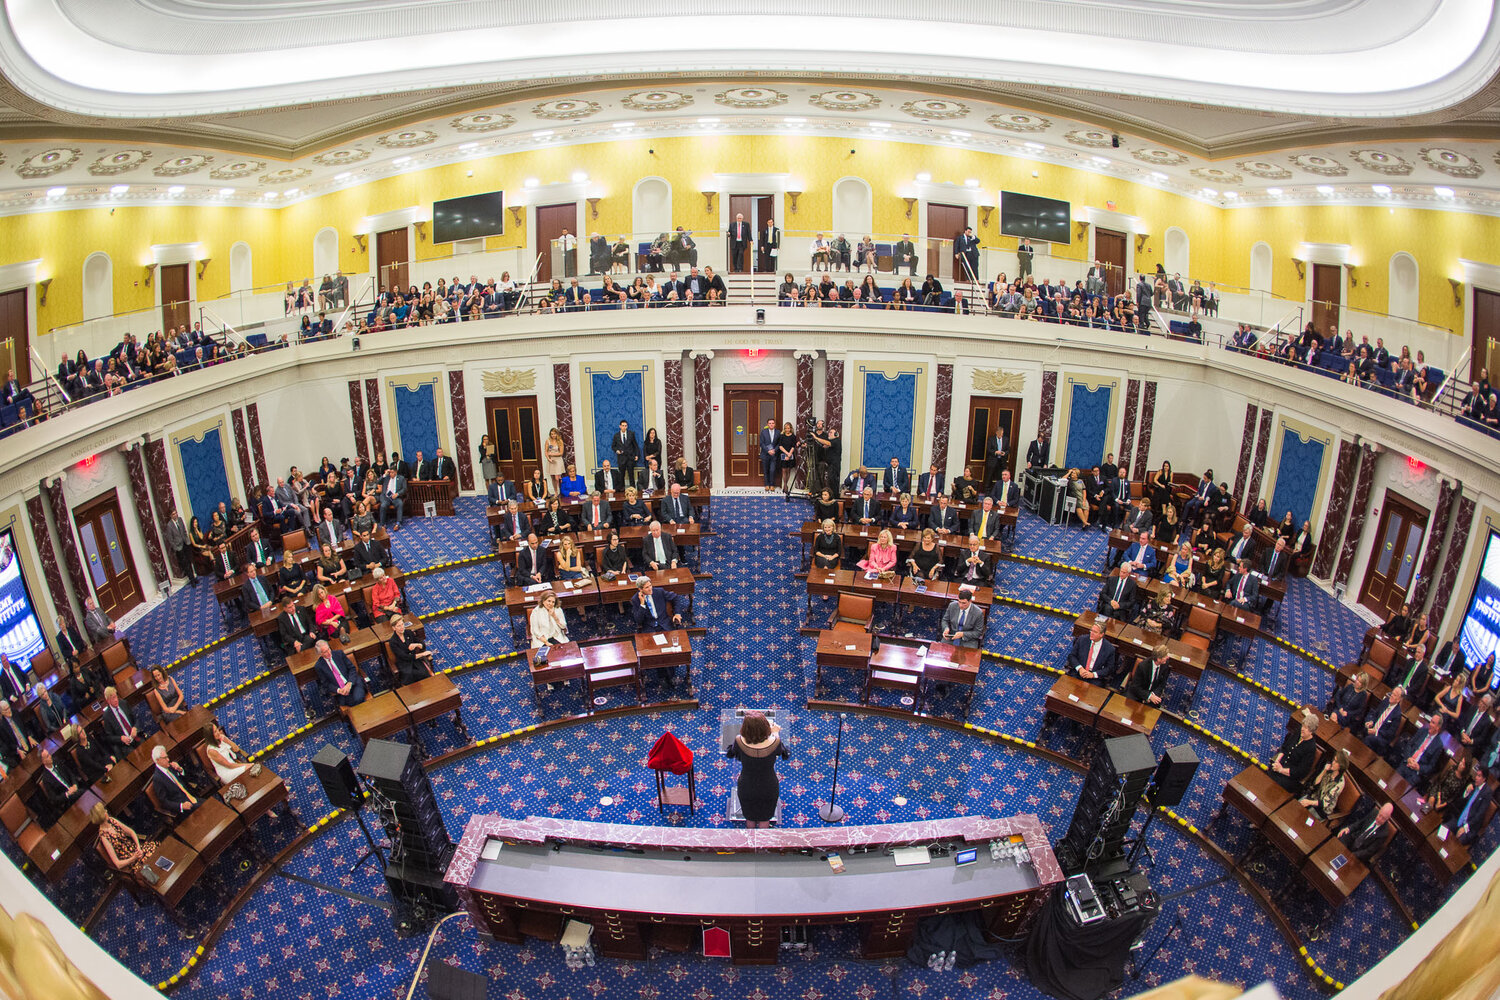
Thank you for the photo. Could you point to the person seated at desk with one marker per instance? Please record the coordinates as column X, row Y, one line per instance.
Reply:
column 329, row 613
column 121, row 846
column 930, row 483
column 826, row 506
column 572, row 485
column 1293, row 763
column 904, row 515
column 91, row 758
column 337, row 673
column 756, row 748
column 1148, row 681
column 676, row 508
column 1450, row 701
column 1092, row 657
column 70, row 644
column 531, row 562
column 83, row 689
column 942, row 518
column 653, row 481
column 607, row 479
column 413, row 659
column 881, row 557
column 501, row 491
column 828, row 547
column 229, row 759
column 570, row 564
column 1159, row 614
column 294, row 627
column 658, row 551
column 17, row 738
column 536, row 488
column 860, row 480
column 1168, row 529
column 986, row 521
column 168, row 703
column 330, row 568
column 1419, row 638
column 1467, row 810
column 635, row 511
column 975, row 567
column 1006, row 492
column 1243, row 589
column 548, row 624
column 1482, row 677
column 1204, row 497
column 1450, row 659
column 653, row 610
column 1423, row 754
column 386, row 602
column 330, row 532
column 1398, row 624
column 1137, row 517
column 1243, row 547
column 596, row 514
column 962, row 622
column 896, row 479
column 366, row 556
column 1118, row 597
column 169, row 783
column 615, row 558
column 1381, row 733
column 864, row 509
column 291, row 581
column 224, row 566
column 1449, row 783
column 116, row 729
column 926, row 560
column 555, row 521
column 1116, row 499
column 1322, row 798
column 57, row 784
column 257, row 552
column 965, row 490
column 50, row 713
column 1179, row 571
column 1349, row 703
column 514, row 525
column 1083, row 491
column 1140, row 556
column 1478, row 724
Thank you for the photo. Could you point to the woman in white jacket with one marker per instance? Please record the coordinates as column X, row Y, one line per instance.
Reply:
column 547, row 623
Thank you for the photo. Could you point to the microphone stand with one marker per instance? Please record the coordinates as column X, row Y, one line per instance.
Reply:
column 832, row 812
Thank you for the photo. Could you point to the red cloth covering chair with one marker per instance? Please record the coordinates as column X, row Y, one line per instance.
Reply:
column 671, row 754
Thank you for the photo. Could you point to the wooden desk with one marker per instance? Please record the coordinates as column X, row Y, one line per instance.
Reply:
column 1334, row 884
column 844, row 649
column 564, row 663
column 1121, row 716
column 934, row 663
column 1295, row 832
column 675, row 650
column 379, row 716
column 187, row 868
column 570, row 594
column 611, row 664
column 209, row 829
column 431, row 697
column 1078, row 700
column 422, row 491
column 263, row 792
column 1254, row 795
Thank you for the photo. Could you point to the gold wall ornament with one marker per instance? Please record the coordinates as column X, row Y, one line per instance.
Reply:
column 33, row 965
column 998, row 381
column 510, row 380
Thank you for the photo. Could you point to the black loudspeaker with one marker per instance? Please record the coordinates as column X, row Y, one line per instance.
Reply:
column 1106, row 805
column 407, row 808
column 1173, row 775
column 337, row 776
column 449, row 982
column 413, row 885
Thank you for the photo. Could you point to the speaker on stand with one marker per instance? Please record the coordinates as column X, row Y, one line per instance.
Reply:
column 420, row 845
column 1168, row 786
column 1106, row 806
column 340, row 784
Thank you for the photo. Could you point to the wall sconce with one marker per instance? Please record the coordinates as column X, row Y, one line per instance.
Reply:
column 203, row 266
column 1353, row 282
column 150, row 273
column 1083, row 228
column 1140, row 243
column 1458, row 291
column 360, row 240
column 794, row 195
column 909, row 203
column 1301, row 269
column 594, row 206
column 708, row 200
column 421, row 228
column 517, row 214
column 42, row 287
column 984, row 219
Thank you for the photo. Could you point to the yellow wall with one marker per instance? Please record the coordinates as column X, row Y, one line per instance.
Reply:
column 281, row 239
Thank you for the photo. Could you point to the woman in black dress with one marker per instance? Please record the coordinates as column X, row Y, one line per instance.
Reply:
column 1161, row 488
column 757, row 747
column 826, row 507
column 828, row 548
column 786, row 456
column 651, row 448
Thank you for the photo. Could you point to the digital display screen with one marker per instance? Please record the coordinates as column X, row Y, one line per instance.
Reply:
column 966, row 857
column 1044, row 219
column 21, row 635
column 1479, row 635
column 468, row 218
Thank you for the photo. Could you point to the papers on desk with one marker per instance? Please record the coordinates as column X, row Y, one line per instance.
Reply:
column 872, row 574
column 1442, row 833
column 849, row 648
column 533, row 588
column 491, row 849
column 1250, row 796
column 659, row 639
column 906, row 856
column 1072, row 697
column 922, row 651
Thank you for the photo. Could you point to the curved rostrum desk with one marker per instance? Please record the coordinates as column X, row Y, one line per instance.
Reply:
column 642, row 886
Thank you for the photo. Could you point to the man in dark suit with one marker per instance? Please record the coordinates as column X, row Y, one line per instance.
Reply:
column 608, row 479
column 256, row 591
column 739, row 242
column 658, row 551
column 330, row 532
column 393, row 496
column 676, row 508
column 1424, row 753
column 257, row 551
column 531, row 562
column 1137, row 518
column 13, row 682
column 895, row 479
column 413, row 659
column 655, row 610
column 294, row 627
column 1277, row 561
column 169, row 783
column 653, row 480
column 672, row 288
column 501, row 490
column 1244, row 587
column 985, row 522
column 1116, row 497
column 1477, row 724
column 966, row 249
column 1382, row 730
column 338, row 674
column 1243, row 547
column 1037, row 453
column 768, row 453
column 996, row 447
column 1365, row 835
column 1450, row 658
column 58, row 785
column 929, row 483
column 1117, row 599
column 594, row 515
column 1092, row 657
column 366, row 555
column 441, row 466
column 962, row 622
column 769, row 246
column 1467, row 811
column 1148, row 682
column 116, row 731
column 942, row 518
column 515, row 525
column 1204, row 497
column 864, row 509
column 17, row 737
column 904, row 254
column 1412, row 676
column 626, row 450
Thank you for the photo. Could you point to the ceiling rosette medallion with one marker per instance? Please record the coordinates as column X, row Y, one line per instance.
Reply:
column 1264, row 170
column 285, row 175
column 1159, row 157
column 407, row 138
column 1215, row 175
column 178, row 166
column 1017, row 121
column 236, row 169
column 565, row 110
column 117, row 163
column 935, row 109
column 1323, row 166
column 1450, row 162
column 1090, row 137
column 657, row 100
column 844, row 100
column 1381, row 162
column 341, row 157
column 750, row 97
column 48, row 162
column 482, row 122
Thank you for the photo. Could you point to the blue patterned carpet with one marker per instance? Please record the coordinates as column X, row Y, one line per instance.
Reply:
column 293, row 940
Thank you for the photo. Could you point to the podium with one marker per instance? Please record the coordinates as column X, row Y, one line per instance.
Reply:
column 439, row 492
column 730, row 720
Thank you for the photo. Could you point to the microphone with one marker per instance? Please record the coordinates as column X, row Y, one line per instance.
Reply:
column 831, row 811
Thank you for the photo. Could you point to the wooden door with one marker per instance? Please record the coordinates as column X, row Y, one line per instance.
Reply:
column 755, row 208
column 1327, row 292
column 15, row 341
column 1109, row 249
column 551, row 222
column 1393, row 564
column 985, row 414
column 176, row 309
column 1486, row 343
column 945, row 223
column 516, row 431
column 746, row 410
column 392, row 258
column 106, row 553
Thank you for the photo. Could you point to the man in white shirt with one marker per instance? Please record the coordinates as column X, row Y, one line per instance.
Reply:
column 1092, row 657
column 658, row 550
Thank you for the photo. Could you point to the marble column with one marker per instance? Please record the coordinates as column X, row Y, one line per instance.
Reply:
column 377, row 426
column 63, row 522
column 1437, row 534
column 257, row 448
column 1247, row 448
column 805, row 360
column 703, row 415
column 458, row 399
column 1044, row 419
column 1127, row 425
column 242, row 450
column 1143, row 436
column 1338, row 510
column 47, row 555
column 357, row 415
column 1453, row 562
column 140, row 494
column 1258, row 470
column 1358, row 509
column 833, row 395
column 161, row 479
column 562, row 388
column 942, row 422
column 672, row 388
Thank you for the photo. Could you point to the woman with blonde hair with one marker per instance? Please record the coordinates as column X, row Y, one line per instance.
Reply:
column 570, row 564
column 548, row 624
column 1080, row 496
column 554, row 448
column 121, row 846
column 881, row 558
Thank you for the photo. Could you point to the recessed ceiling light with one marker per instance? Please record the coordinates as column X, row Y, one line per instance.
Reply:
column 1210, row 193
column 1100, row 159
column 343, row 176
column 176, row 189
column 971, row 182
column 708, row 121
column 579, row 176
column 1274, row 192
column 56, row 192
column 924, row 177
column 1443, row 192
column 292, row 192
column 541, row 134
column 959, row 133
column 1231, row 194
column 1034, row 145
column 119, row 189
column 225, row 192
column 880, row 124
column 531, row 182
column 469, row 145
column 401, row 159
column 270, row 196
column 1325, row 189
column 1381, row 188
column 1157, row 175
column 624, row 124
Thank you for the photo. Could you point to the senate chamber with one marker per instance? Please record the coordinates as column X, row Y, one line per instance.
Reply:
column 522, row 502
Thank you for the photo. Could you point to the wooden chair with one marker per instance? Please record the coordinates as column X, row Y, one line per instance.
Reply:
column 43, row 666
column 854, row 614
column 117, row 659
column 294, row 541
column 1348, row 799
column 20, row 824
column 1382, row 655
column 1201, row 627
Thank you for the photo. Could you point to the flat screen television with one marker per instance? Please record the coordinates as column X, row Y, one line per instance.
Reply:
column 20, row 630
column 468, row 218
column 1045, row 219
column 1479, row 633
